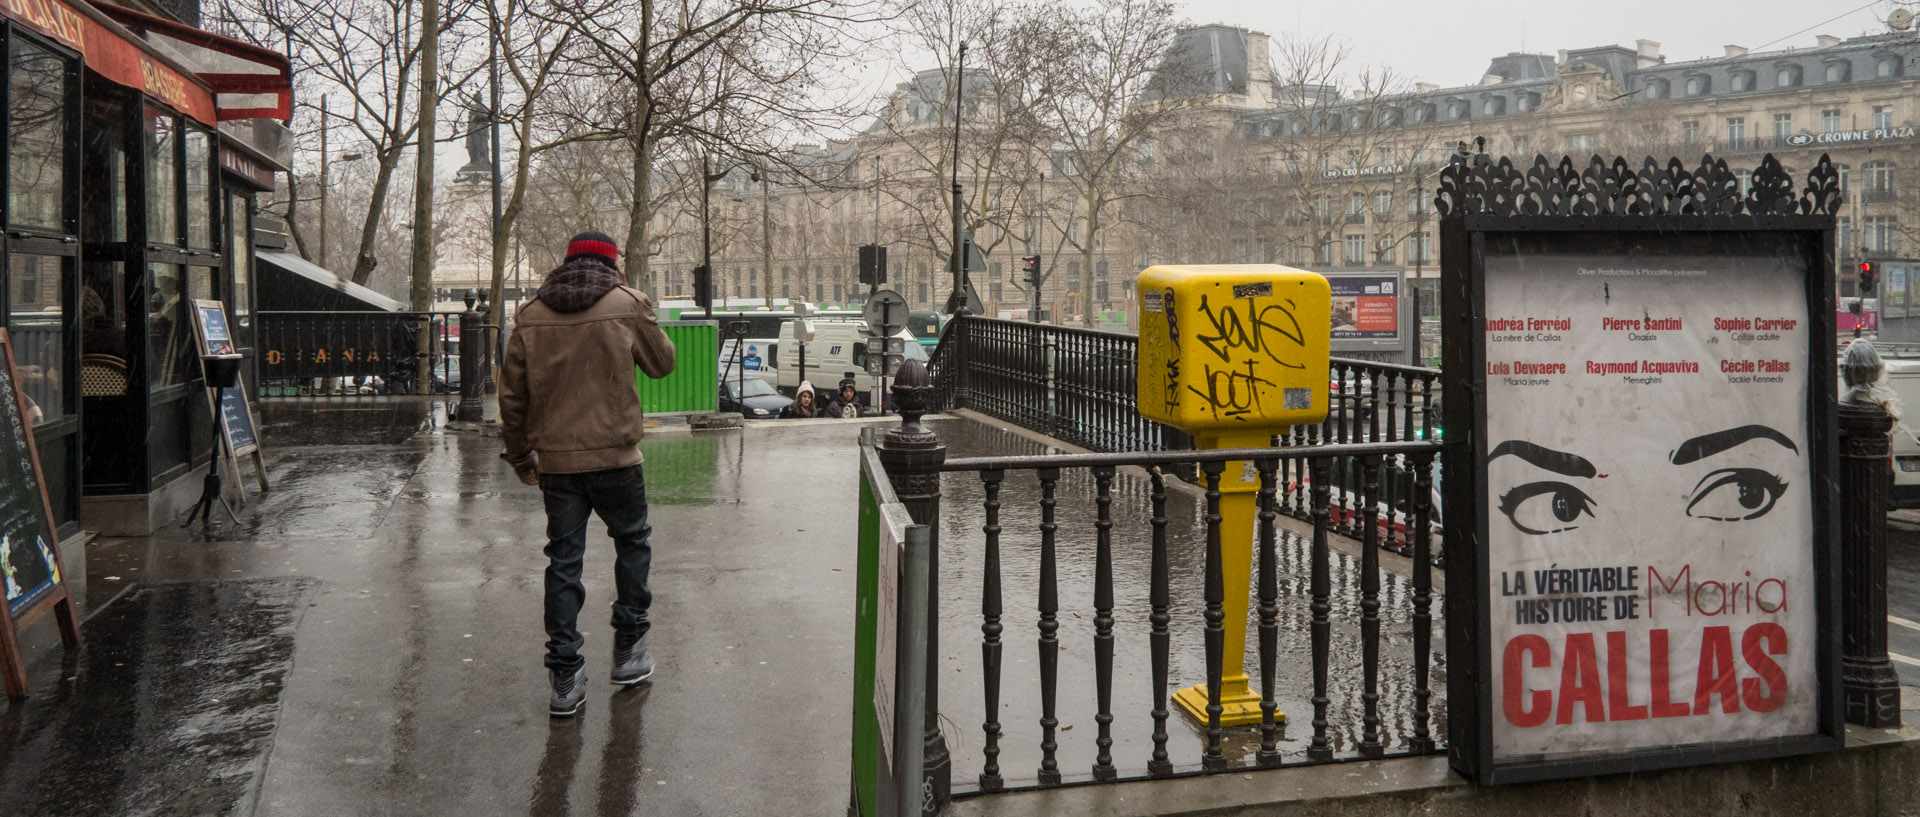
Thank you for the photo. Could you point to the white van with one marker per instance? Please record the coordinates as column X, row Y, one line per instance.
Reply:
column 838, row 347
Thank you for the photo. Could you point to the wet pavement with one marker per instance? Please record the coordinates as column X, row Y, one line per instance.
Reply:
column 367, row 641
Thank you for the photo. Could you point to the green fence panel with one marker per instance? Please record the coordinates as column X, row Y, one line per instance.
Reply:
column 866, row 721
column 694, row 385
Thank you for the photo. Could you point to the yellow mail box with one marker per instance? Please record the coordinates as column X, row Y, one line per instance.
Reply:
column 1231, row 350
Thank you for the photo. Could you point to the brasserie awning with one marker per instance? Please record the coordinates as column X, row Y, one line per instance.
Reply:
column 247, row 81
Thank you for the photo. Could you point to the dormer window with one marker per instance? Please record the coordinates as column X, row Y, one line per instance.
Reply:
column 1658, row 89
column 1526, row 102
column 1458, row 109
column 1887, row 67
column 1788, row 76
column 1741, row 81
column 1839, row 71
column 1699, row 86
column 1493, row 106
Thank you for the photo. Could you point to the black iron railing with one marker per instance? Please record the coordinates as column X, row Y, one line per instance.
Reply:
column 1409, row 732
column 1077, row 386
column 356, row 354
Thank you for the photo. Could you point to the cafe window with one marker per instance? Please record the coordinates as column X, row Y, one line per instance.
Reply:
column 37, row 100
column 37, row 324
column 240, row 251
column 163, row 177
column 198, row 173
column 103, row 211
column 169, row 340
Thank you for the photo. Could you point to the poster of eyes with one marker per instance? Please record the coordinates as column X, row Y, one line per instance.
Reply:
column 1649, row 504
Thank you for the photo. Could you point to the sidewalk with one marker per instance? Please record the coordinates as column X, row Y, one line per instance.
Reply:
column 394, row 593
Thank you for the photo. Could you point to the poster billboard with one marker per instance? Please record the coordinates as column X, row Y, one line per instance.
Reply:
column 1650, row 571
column 1367, row 310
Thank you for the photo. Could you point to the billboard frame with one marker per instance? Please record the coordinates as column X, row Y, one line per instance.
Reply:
column 1481, row 200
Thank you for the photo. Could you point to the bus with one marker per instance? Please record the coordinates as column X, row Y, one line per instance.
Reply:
column 925, row 325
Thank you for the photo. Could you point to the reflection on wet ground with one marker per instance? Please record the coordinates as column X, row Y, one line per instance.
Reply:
column 961, row 563
column 169, row 709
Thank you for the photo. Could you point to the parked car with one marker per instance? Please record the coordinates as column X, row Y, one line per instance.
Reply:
column 757, row 400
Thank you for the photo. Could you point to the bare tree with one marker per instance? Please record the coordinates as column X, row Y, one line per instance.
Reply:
column 1101, row 62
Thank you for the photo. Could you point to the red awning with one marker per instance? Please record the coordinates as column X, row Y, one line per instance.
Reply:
column 115, row 52
column 248, row 81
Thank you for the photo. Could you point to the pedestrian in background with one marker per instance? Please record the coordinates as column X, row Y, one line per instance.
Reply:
column 804, row 404
column 571, row 422
column 847, row 402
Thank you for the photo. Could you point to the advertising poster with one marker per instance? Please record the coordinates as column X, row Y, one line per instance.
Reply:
column 1365, row 306
column 1649, row 503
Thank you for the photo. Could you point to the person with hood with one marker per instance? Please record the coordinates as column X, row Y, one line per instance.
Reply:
column 571, row 422
column 804, row 405
column 847, row 403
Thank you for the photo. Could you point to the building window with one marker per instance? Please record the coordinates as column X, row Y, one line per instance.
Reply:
column 1736, row 131
column 1788, row 76
column 1421, row 248
column 1386, row 250
column 1880, row 234
column 1782, row 125
column 1382, row 203
column 1657, row 89
column 1356, row 206
column 1690, row 131
column 1100, row 280
column 1878, row 176
column 1073, row 275
column 1883, row 117
column 1457, row 109
column 1829, row 121
column 1843, row 235
column 1741, row 81
column 1583, row 142
column 1839, row 71
column 1493, row 106
column 1887, row 67
column 1356, row 250
column 1746, row 180
column 1699, row 86
column 1323, row 255
column 1520, row 145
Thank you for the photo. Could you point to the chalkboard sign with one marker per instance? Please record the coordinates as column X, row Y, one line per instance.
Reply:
column 236, row 421
column 30, row 567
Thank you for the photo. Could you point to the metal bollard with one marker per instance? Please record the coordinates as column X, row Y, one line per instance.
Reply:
column 912, row 456
column 472, row 358
column 1867, row 675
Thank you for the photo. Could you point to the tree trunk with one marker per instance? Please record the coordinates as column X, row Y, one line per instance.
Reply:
column 363, row 260
column 639, row 216
column 1086, row 263
column 422, row 289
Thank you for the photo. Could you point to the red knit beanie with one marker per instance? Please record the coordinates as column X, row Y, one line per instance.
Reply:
column 593, row 244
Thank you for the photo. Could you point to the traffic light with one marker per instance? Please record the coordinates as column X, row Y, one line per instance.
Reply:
column 1032, row 263
column 1869, row 278
column 873, row 264
column 703, row 286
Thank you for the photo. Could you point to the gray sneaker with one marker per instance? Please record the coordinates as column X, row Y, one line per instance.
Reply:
column 631, row 664
column 568, row 692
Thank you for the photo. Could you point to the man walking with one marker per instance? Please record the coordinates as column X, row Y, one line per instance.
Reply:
column 570, row 419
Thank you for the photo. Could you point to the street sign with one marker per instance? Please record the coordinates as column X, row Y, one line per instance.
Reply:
column 884, row 308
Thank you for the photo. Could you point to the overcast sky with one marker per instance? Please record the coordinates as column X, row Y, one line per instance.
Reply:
column 1450, row 43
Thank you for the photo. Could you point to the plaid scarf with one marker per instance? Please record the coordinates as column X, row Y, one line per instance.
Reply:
column 577, row 284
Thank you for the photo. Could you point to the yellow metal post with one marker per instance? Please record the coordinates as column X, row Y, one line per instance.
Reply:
column 1233, row 354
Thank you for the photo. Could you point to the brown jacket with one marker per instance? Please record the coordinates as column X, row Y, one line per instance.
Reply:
column 568, row 390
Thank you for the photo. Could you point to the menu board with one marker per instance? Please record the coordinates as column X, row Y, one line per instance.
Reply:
column 28, row 562
column 1649, row 500
column 211, row 319
column 236, row 421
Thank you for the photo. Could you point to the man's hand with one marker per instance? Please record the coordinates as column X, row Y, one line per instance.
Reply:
column 526, row 468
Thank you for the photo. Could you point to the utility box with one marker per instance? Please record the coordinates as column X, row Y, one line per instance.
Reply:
column 1233, row 350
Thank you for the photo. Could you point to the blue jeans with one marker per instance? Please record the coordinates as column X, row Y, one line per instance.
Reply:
column 620, row 497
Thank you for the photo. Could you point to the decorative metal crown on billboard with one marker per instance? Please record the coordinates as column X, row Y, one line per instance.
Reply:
column 1478, row 184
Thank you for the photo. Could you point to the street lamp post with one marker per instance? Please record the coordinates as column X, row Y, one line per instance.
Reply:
column 707, row 177
column 766, row 237
column 957, row 302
